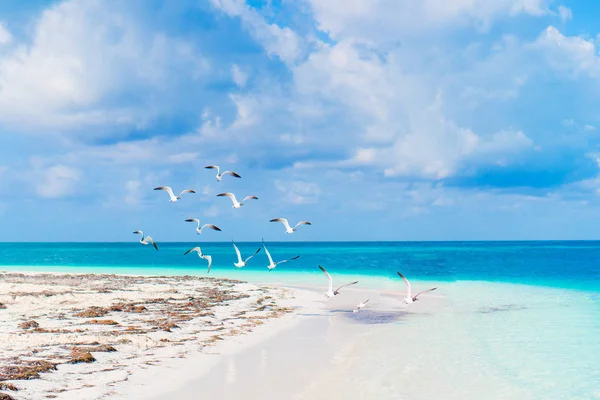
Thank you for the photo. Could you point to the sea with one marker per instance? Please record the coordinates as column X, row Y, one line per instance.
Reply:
column 566, row 264
column 520, row 320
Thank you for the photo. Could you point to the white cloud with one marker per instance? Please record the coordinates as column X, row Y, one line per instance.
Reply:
column 239, row 77
column 82, row 56
column 399, row 118
column 247, row 114
column 181, row 158
column 212, row 211
column 385, row 20
column 5, row 35
column 298, row 192
column 58, row 181
column 564, row 13
column 569, row 54
column 132, row 192
column 277, row 41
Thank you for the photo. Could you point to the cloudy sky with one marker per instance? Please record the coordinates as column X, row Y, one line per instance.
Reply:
column 375, row 120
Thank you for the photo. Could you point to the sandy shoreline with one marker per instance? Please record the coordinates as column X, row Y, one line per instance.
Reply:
column 235, row 339
column 58, row 330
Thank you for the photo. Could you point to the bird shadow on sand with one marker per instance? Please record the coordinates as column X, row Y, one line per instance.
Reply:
column 501, row 308
column 373, row 317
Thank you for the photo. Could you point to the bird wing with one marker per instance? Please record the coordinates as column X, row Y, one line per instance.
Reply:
column 149, row 239
column 237, row 251
column 249, row 197
column 284, row 221
column 347, row 284
column 302, row 223
column 211, row 226
column 139, row 232
column 209, row 259
column 196, row 249
column 196, row 220
column 408, row 287
column 213, row 167
column 289, row 259
column 328, row 277
column 366, row 301
column 234, row 174
column 230, row 195
column 424, row 291
column 249, row 257
column 185, row 191
column 268, row 254
column 166, row 189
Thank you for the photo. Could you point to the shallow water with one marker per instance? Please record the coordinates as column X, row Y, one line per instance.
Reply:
column 476, row 341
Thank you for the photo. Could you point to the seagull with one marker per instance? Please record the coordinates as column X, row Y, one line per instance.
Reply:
column 204, row 256
column 330, row 292
column 288, row 228
column 199, row 228
column 242, row 263
column 219, row 174
column 360, row 305
column 146, row 240
column 234, row 200
column 409, row 298
column 172, row 197
column 273, row 264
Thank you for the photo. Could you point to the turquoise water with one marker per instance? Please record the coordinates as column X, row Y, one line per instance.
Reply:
column 510, row 320
column 562, row 264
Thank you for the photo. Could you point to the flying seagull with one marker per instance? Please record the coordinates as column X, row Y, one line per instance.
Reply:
column 234, row 200
column 220, row 175
column 146, row 240
column 273, row 264
column 172, row 197
column 199, row 228
column 288, row 228
column 409, row 298
column 204, row 256
column 360, row 305
column 242, row 263
column 330, row 292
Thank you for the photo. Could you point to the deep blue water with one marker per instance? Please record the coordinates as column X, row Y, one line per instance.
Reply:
column 557, row 263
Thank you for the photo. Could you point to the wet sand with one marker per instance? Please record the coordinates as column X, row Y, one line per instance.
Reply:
column 471, row 340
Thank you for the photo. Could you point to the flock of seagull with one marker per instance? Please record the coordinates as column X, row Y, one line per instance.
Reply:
column 242, row 262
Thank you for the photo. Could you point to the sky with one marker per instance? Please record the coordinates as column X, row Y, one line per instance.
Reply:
column 374, row 120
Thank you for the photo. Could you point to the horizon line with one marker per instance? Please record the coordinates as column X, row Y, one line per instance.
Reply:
column 333, row 241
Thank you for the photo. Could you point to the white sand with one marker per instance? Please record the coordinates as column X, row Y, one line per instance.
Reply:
column 143, row 345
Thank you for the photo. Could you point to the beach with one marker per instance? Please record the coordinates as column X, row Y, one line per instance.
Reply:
column 183, row 336
column 58, row 330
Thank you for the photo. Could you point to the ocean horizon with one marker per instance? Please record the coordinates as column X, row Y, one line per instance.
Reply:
column 556, row 263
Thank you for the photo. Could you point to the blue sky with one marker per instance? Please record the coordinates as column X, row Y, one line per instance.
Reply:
column 378, row 120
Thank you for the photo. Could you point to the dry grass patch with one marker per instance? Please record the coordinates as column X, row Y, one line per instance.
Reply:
column 8, row 386
column 29, row 325
column 103, row 348
column 128, row 307
column 103, row 322
column 79, row 355
column 92, row 312
column 30, row 370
